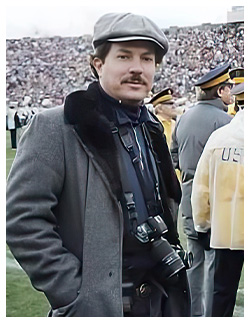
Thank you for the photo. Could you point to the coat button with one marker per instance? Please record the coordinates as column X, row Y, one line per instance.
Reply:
column 144, row 290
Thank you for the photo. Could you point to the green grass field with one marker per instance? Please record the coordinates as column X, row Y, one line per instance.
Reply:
column 22, row 300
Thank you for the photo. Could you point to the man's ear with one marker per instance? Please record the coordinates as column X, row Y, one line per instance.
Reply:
column 98, row 63
column 219, row 91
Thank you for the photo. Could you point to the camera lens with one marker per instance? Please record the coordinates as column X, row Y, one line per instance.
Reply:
column 168, row 261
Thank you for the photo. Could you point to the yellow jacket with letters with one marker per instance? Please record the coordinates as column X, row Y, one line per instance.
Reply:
column 218, row 187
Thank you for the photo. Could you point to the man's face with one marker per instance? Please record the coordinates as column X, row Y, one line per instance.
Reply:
column 128, row 71
column 225, row 95
column 166, row 110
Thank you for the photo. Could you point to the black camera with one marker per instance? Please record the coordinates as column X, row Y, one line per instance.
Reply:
column 168, row 261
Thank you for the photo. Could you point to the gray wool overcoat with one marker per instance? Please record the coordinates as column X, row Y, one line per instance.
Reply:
column 64, row 218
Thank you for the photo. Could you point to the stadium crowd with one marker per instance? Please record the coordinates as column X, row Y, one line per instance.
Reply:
column 38, row 73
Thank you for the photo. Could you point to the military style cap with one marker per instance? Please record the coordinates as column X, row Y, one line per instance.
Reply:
column 216, row 76
column 238, row 91
column 237, row 75
column 119, row 27
column 162, row 96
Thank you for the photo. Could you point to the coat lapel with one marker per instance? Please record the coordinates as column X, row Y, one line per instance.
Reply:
column 83, row 110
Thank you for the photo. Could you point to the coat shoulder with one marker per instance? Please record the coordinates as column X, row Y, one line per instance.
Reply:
column 53, row 113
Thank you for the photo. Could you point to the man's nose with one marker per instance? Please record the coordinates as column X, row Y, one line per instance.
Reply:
column 136, row 66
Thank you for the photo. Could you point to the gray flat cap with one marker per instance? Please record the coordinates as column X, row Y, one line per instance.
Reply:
column 118, row 27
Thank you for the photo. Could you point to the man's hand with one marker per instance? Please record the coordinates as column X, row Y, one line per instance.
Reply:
column 204, row 239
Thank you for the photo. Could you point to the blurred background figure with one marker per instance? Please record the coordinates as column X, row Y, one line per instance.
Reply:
column 237, row 75
column 238, row 92
column 189, row 138
column 21, row 120
column 218, row 205
column 11, row 125
column 165, row 110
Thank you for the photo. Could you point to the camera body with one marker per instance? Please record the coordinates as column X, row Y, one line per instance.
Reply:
column 169, row 259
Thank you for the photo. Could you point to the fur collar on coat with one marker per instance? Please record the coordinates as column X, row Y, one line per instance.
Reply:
column 84, row 110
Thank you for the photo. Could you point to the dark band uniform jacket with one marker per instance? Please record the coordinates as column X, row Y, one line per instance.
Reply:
column 205, row 117
column 67, row 231
column 191, row 134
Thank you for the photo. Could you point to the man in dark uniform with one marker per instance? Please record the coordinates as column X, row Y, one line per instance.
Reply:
column 237, row 75
column 87, row 198
column 189, row 138
column 238, row 92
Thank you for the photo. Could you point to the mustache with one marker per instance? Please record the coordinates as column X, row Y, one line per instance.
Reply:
column 135, row 79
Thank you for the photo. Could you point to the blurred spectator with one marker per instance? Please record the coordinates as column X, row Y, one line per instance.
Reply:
column 218, row 205
column 237, row 75
column 21, row 118
column 11, row 111
column 164, row 108
column 189, row 138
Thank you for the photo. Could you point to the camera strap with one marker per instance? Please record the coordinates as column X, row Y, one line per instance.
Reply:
column 128, row 195
column 152, row 201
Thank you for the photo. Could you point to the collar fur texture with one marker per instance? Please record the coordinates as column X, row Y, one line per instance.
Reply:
column 84, row 110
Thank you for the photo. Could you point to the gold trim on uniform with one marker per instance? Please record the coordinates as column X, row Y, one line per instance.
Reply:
column 162, row 99
column 216, row 81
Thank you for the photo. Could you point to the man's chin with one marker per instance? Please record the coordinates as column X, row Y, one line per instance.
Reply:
column 134, row 97
column 138, row 93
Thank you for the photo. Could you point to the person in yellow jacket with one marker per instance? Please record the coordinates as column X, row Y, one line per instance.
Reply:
column 165, row 111
column 218, row 207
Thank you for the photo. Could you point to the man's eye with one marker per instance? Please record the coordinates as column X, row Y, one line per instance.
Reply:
column 148, row 59
column 123, row 57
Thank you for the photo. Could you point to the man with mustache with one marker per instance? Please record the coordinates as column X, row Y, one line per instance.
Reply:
column 87, row 197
